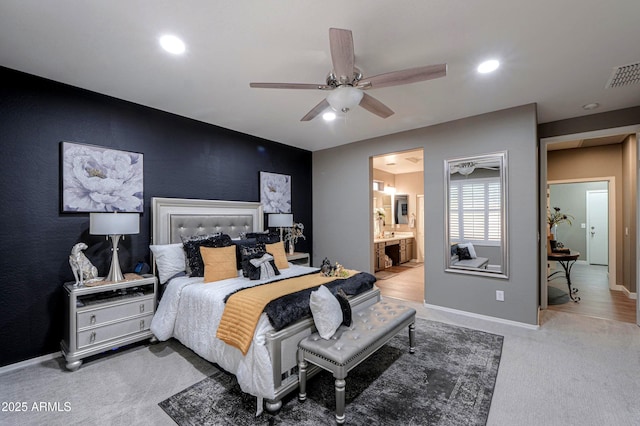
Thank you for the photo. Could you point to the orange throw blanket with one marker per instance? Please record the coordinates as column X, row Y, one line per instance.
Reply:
column 243, row 309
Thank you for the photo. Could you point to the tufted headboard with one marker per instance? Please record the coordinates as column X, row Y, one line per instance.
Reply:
column 173, row 217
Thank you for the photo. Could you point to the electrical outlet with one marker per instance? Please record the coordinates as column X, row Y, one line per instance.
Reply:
column 500, row 295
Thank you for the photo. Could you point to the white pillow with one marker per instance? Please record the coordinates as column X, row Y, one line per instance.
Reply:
column 327, row 314
column 469, row 246
column 170, row 260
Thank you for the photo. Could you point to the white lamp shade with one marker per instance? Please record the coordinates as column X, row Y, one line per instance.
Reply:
column 114, row 223
column 344, row 98
column 280, row 220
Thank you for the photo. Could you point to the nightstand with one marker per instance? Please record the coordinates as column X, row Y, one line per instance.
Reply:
column 299, row 258
column 106, row 317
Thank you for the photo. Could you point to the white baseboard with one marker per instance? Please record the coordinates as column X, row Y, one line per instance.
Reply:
column 29, row 362
column 626, row 292
column 483, row 317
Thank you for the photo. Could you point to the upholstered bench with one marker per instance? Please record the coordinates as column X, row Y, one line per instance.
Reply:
column 370, row 329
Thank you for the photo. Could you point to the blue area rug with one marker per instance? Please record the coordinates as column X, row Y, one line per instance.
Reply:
column 448, row 381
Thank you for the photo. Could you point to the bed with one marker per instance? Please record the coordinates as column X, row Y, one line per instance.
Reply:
column 190, row 310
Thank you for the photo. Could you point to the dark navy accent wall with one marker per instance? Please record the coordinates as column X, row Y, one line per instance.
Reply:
column 182, row 158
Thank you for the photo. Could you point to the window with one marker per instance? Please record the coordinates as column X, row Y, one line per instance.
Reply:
column 475, row 210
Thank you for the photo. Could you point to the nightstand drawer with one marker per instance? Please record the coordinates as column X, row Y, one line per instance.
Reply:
column 113, row 331
column 94, row 317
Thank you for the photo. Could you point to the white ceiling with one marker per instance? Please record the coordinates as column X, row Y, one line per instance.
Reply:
column 559, row 54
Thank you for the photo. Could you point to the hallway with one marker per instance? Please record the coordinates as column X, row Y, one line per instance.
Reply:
column 597, row 300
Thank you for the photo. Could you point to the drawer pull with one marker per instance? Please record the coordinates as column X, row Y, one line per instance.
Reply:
column 92, row 337
column 141, row 324
column 141, row 307
column 93, row 319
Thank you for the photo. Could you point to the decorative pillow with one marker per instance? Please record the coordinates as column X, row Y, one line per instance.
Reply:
column 345, row 306
column 463, row 253
column 219, row 263
column 240, row 244
column 277, row 251
column 454, row 249
column 246, row 253
column 259, row 266
column 194, row 257
column 327, row 314
column 169, row 260
column 472, row 250
column 266, row 237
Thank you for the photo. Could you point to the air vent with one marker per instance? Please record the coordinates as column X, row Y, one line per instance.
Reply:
column 624, row 75
column 414, row 160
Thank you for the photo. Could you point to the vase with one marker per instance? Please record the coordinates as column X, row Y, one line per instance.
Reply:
column 291, row 247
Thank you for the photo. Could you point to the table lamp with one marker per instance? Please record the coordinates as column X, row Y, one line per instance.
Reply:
column 280, row 220
column 114, row 225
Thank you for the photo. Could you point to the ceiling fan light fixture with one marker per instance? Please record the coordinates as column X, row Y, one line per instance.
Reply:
column 465, row 169
column 172, row 44
column 329, row 116
column 488, row 66
column 344, row 98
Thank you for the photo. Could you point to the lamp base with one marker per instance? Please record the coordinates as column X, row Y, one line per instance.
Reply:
column 115, row 273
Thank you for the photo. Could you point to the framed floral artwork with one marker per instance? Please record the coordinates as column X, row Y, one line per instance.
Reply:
column 275, row 192
column 99, row 179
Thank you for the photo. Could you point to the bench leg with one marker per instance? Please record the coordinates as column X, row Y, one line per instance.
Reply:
column 412, row 337
column 340, row 388
column 302, row 379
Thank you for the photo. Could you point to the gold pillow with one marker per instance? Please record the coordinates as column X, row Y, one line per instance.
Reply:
column 219, row 263
column 277, row 251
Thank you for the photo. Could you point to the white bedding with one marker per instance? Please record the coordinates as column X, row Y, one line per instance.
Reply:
column 190, row 311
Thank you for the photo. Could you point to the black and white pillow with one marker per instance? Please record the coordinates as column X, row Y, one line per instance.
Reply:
column 463, row 253
column 192, row 251
column 266, row 237
column 247, row 252
column 345, row 306
column 252, row 266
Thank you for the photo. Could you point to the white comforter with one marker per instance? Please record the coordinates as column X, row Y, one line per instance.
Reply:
column 190, row 311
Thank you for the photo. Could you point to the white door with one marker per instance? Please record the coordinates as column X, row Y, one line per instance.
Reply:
column 420, row 228
column 598, row 227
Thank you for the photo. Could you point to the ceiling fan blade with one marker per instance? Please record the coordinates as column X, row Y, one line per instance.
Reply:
column 341, row 43
column 407, row 76
column 316, row 111
column 290, row 86
column 373, row 105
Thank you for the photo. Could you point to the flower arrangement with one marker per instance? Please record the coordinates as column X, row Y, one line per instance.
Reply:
column 558, row 217
column 295, row 232
column 378, row 212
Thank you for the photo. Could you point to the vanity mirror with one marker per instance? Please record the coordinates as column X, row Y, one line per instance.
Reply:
column 476, row 215
column 401, row 209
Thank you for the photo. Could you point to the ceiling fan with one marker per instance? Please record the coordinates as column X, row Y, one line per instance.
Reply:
column 347, row 85
column 468, row 167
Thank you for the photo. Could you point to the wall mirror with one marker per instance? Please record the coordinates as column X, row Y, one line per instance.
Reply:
column 476, row 215
column 401, row 209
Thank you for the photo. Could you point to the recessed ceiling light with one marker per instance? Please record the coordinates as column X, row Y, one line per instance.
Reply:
column 329, row 116
column 172, row 44
column 488, row 66
column 592, row 105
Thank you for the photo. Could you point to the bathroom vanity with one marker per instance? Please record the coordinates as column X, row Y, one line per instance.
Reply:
column 399, row 247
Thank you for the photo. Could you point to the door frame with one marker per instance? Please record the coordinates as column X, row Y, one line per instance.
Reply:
column 611, row 200
column 542, row 203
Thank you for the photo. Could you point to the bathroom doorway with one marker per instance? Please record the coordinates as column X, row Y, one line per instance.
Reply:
column 398, row 230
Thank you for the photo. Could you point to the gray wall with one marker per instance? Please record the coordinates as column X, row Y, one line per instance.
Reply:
column 342, row 213
column 571, row 198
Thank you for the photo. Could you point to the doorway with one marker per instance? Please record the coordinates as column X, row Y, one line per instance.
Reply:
column 620, row 263
column 398, row 224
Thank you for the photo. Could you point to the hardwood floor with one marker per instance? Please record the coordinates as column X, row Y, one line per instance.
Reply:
column 596, row 300
column 407, row 283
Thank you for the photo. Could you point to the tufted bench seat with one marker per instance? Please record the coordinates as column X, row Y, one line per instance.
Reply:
column 370, row 329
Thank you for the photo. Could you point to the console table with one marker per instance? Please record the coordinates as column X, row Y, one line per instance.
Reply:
column 566, row 260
